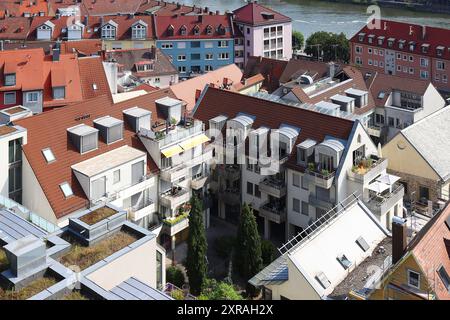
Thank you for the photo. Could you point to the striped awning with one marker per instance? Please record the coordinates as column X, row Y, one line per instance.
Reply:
column 193, row 142
column 171, row 151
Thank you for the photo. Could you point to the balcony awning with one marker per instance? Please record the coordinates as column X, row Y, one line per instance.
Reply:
column 191, row 143
column 388, row 179
column 378, row 187
column 171, row 151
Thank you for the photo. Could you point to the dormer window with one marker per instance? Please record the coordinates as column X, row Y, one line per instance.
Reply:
column 59, row 93
column 371, row 38
column 83, row 137
column 183, row 30
column 74, row 31
column 138, row 118
column 391, row 42
column 425, row 48
column 196, row 30
column 109, row 30
column 401, row 44
column 209, row 30
column 380, row 41
column 361, row 37
column 45, row 31
column 111, row 129
column 139, row 31
column 440, row 51
column 10, row 79
column 412, row 46
column 170, row 30
column 221, row 30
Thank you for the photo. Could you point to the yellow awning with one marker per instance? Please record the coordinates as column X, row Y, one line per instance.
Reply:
column 170, row 152
column 191, row 143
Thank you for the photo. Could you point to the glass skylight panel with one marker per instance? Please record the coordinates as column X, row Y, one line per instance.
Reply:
column 48, row 155
column 66, row 189
column 362, row 243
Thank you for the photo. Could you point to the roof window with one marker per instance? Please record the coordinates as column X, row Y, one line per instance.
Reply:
column 362, row 243
column 48, row 155
column 66, row 189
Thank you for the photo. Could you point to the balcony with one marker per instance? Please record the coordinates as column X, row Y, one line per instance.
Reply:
column 142, row 209
column 367, row 169
column 323, row 179
column 199, row 182
column 230, row 172
column 174, row 197
column 380, row 204
column 274, row 187
column 273, row 211
column 174, row 174
column 374, row 130
column 320, row 202
column 230, row 196
column 171, row 226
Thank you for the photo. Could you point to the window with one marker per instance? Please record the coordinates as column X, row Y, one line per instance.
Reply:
column 423, row 62
column 195, row 44
column 181, row 45
column 423, row 74
column 323, row 280
column 167, row 45
column 390, row 121
column 15, row 151
column 208, row 68
column 116, row 176
column 370, row 62
column 444, row 277
column 137, row 172
column 157, row 80
column 343, row 260
column 444, row 78
column 399, row 68
column 183, row 31
column 362, row 243
column 209, row 45
column 48, row 155
column 249, row 188
column 304, row 183
column 411, row 70
column 181, row 57
column 209, row 56
column 66, row 189
column 295, row 180
column 296, row 205
column 399, row 56
column 9, row 98
column 159, row 271
column 358, row 60
column 139, row 32
column 411, row 59
column 98, row 188
column 248, row 30
column 222, row 44
column 209, row 30
column 182, row 69
column 223, row 56
column 413, row 279
column 10, row 79
column 32, row 97
column 257, row 192
column 195, row 56
column 424, row 193
column 59, row 93
column 108, row 32
column 440, row 65
column 305, row 208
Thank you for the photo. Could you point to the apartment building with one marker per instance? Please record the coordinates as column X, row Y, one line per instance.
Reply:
column 266, row 32
column 96, row 257
column 403, row 49
column 419, row 155
column 330, row 258
column 143, row 155
column 399, row 104
column 42, row 82
column 196, row 44
column 138, row 66
column 421, row 268
column 313, row 167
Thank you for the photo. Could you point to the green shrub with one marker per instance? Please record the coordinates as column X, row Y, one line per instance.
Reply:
column 177, row 294
column 267, row 252
column 175, row 276
column 224, row 245
column 215, row 290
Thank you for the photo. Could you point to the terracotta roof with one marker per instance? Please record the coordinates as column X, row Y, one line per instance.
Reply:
column 24, row 44
column 432, row 250
column 248, row 82
column 163, row 8
column 146, row 87
column 382, row 83
column 432, row 36
column 82, row 47
column 186, row 90
column 49, row 130
column 313, row 125
column 125, row 23
column 255, row 14
column 129, row 58
column 271, row 69
column 14, row 28
column 110, row 7
column 297, row 67
column 19, row 8
column 61, row 25
column 93, row 78
column 201, row 22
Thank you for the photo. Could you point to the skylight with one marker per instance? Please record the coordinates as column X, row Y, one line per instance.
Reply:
column 48, row 155
column 381, row 95
column 323, row 280
column 362, row 243
column 344, row 261
column 66, row 189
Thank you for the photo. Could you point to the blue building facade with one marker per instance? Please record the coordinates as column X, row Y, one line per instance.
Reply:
column 196, row 56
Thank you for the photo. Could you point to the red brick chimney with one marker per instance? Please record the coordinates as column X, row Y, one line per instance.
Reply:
column 399, row 238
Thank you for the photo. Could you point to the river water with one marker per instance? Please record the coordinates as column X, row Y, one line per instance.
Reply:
column 310, row 16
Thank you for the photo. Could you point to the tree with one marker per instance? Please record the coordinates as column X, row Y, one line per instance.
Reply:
column 298, row 40
column 196, row 264
column 330, row 46
column 214, row 290
column 267, row 252
column 247, row 257
column 175, row 276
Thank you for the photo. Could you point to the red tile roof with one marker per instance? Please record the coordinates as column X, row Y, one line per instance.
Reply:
column 313, row 125
column 49, row 130
column 271, row 69
column 190, row 23
column 432, row 36
column 93, row 75
column 17, row 8
column 109, row 7
column 82, row 47
column 254, row 14
column 14, row 28
column 432, row 250
column 61, row 24
column 163, row 8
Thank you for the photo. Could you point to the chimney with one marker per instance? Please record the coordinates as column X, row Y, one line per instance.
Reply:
column 424, row 32
column 198, row 93
column 86, row 21
column 56, row 51
column 200, row 18
column 399, row 239
column 225, row 81
column 331, row 69
column 217, row 12
column 206, row 9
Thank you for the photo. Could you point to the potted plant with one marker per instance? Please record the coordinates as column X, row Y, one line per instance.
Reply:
column 311, row 166
column 325, row 172
column 173, row 123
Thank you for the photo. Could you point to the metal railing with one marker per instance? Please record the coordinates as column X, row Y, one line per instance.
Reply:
column 319, row 224
column 176, row 135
